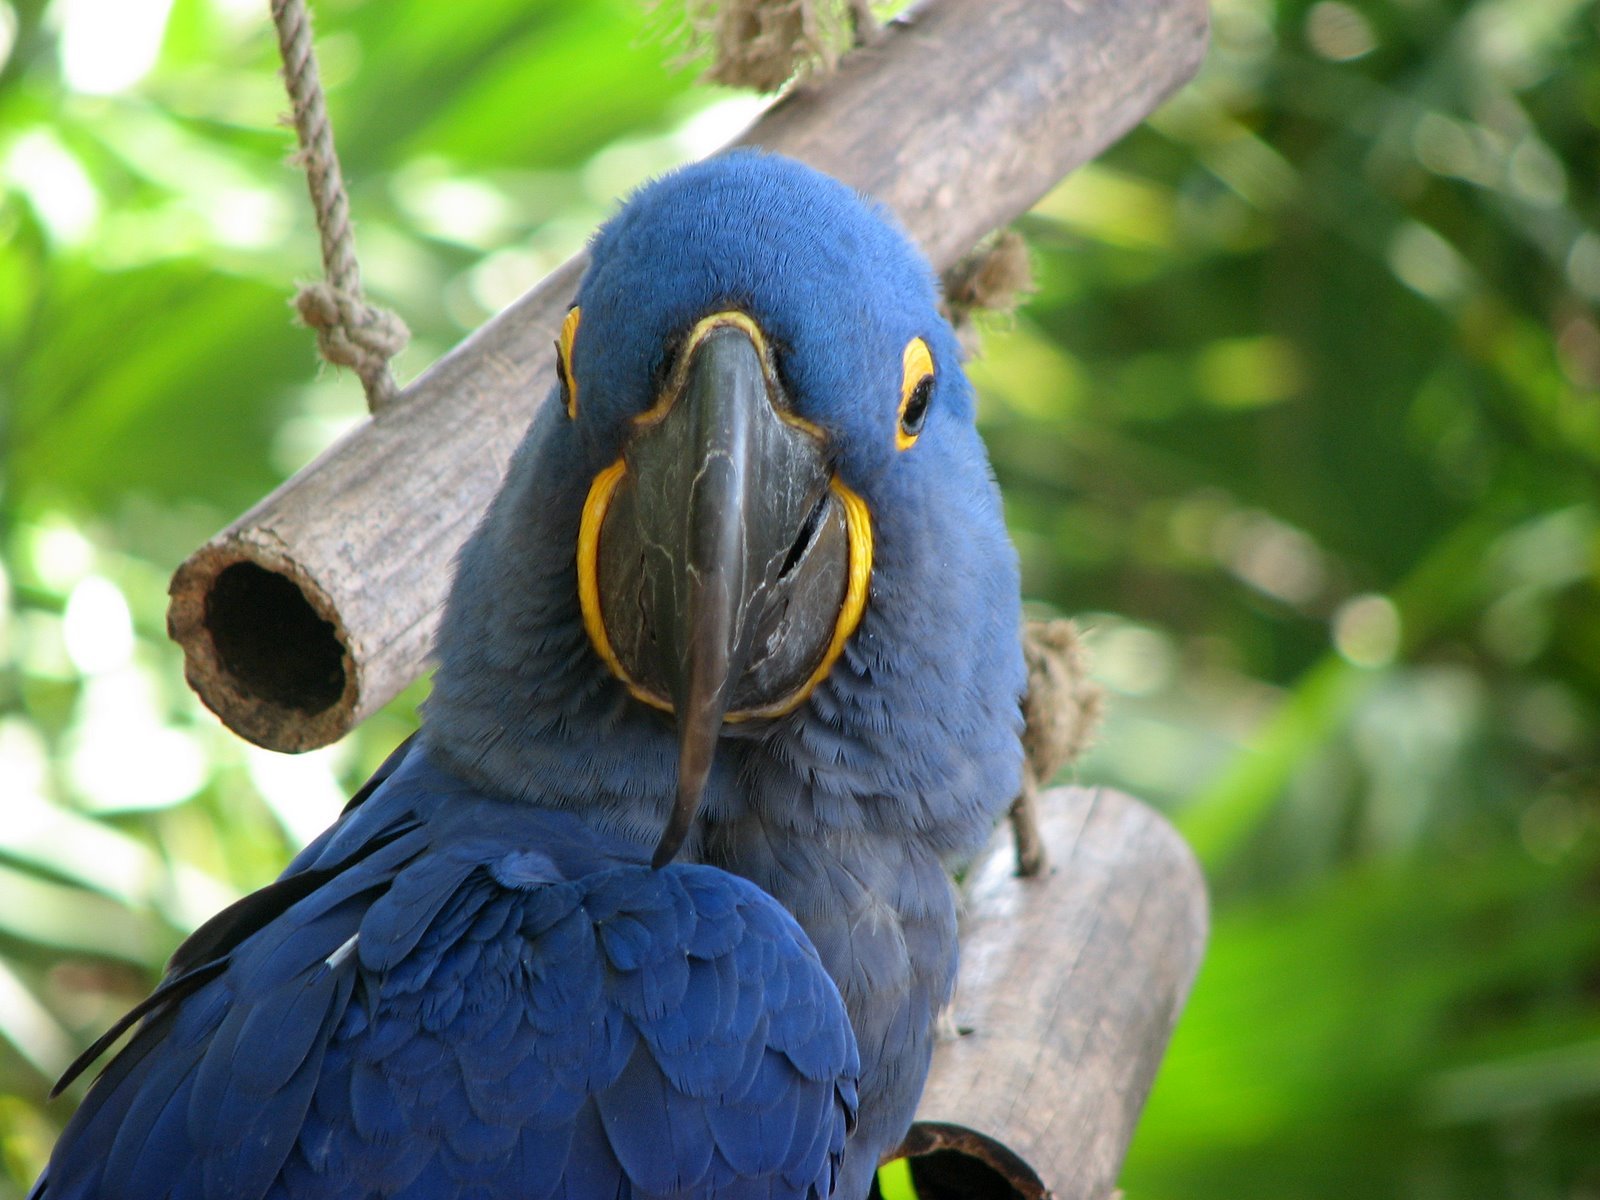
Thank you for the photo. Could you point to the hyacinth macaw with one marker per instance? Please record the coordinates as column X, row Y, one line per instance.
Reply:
column 656, row 904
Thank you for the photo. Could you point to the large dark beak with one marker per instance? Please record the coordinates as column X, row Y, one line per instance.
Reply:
column 723, row 555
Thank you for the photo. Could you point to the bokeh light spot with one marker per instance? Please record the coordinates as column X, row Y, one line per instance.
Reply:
column 122, row 755
column 57, row 187
column 1583, row 264
column 1271, row 556
column 57, row 555
column 1133, row 659
column 302, row 790
column 24, row 759
column 1448, row 147
column 8, row 31
column 1426, row 263
column 97, row 627
column 1366, row 630
column 1536, row 175
column 1339, row 32
column 109, row 45
column 1249, row 372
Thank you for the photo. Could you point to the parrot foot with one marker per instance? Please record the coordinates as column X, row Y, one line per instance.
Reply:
column 1060, row 710
column 1031, row 856
column 945, row 1026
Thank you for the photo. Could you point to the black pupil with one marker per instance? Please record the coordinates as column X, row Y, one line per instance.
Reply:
column 917, row 407
column 561, row 371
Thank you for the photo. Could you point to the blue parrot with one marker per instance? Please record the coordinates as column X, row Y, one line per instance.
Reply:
column 656, row 903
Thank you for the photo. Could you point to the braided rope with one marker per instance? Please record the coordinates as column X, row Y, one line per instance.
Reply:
column 350, row 332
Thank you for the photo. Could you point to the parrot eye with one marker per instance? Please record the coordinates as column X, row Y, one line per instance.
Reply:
column 916, row 389
column 569, row 385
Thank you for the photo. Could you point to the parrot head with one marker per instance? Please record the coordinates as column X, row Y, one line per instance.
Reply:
column 761, row 436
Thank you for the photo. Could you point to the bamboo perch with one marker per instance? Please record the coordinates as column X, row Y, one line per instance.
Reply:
column 1071, row 982
column 319, row 604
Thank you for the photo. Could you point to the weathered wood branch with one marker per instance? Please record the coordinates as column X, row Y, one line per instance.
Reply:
column 319, row 604
column 1071, row 982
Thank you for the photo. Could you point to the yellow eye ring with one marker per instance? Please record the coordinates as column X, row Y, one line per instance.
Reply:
column 569, row 383
column 916, row 390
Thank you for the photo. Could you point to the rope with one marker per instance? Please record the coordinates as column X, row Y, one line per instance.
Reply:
column 350, row 332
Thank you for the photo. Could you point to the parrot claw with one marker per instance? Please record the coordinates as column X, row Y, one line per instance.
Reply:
column 946, row 1028
column 1031, row 856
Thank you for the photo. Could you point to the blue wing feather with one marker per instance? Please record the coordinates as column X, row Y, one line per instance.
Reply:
column 157, row 1123
column 455, row 1013
column 245, row 1141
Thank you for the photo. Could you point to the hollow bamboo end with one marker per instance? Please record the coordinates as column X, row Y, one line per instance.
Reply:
column 263, row 645
column 950, row 1161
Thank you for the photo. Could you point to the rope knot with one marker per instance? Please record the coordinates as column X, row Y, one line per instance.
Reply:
column 352, row 333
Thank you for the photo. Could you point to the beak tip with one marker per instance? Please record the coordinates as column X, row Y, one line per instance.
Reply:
column 677, row 830
column 665, row 852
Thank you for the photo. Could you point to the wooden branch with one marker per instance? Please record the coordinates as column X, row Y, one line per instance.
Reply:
column 319, row 604
column 1070, row 983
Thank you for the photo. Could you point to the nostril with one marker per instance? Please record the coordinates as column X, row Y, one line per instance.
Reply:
column 646, row 625
column 807, row 535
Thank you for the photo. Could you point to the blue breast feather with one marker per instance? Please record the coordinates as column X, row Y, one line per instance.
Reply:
column 466, row 997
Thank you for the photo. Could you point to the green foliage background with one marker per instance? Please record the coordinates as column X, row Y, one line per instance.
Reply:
column 1303, row 422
